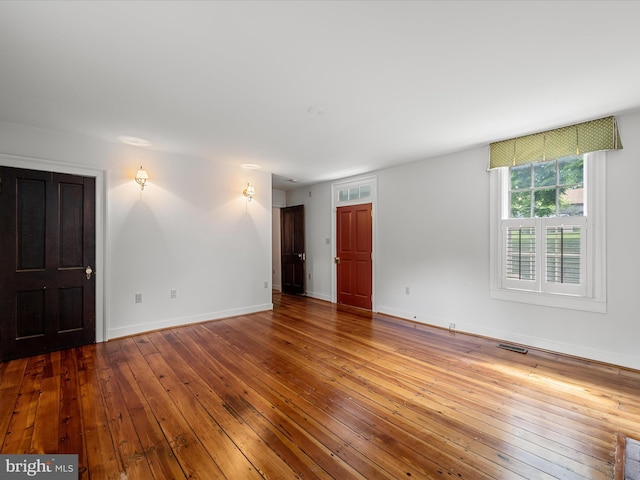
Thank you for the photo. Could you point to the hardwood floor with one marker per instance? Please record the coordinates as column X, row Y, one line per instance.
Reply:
column 314, row 390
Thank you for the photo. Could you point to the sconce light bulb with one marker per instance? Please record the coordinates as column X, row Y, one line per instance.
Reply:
column 141, row 177
column 249, row 192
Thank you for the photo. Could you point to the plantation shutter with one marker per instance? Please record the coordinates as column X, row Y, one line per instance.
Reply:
column 563, row 254
column 576, row 139
column 520, row 252
column 546, row 254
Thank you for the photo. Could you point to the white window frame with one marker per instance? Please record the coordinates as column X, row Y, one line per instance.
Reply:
column 591, row 295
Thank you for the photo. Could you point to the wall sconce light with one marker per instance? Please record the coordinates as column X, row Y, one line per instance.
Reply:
column 249, row 192
column 141, row 178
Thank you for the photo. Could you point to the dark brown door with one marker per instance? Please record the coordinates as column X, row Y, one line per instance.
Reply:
column 47, row 245
column 292, row 253
column 353, row 251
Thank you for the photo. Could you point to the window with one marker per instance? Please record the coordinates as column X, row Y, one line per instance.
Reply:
column 354, row 193
column 546, row 252
column 548, row 232
column 547, row 189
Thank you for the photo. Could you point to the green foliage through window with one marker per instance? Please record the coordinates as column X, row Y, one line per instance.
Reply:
column 547, row 189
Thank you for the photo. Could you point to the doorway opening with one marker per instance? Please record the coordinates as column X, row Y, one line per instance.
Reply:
column 354, row 242
column 47, row 299
column 98, row 269
column 293, row 255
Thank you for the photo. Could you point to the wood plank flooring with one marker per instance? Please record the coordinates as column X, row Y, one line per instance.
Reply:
column 314, row 390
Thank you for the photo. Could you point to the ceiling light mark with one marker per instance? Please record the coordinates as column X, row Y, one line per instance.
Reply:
column 134, row 141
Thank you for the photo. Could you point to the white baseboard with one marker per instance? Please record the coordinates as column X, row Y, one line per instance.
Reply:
column 533, row 342
column 319, row 296
column 176, row 322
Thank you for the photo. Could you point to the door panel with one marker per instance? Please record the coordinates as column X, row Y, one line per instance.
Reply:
column 31, row 223
column 354, row 248
column 30, row 313
column 71, row 209
column 47, row 239
column 71, row 309
column 293, row 253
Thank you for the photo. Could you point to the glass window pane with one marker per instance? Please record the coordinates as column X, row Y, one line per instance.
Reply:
column 570, row 170
column 520, row 177
column 544, row 174
column 571, row 201
column 343, row 195
column 365, row 191
column 520, row 204
column 354, row 193
column 544, row 202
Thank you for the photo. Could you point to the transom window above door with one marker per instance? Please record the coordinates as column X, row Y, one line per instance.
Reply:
column 354, row 193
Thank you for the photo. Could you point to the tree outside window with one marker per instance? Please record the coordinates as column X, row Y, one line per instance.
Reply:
column 547, row 189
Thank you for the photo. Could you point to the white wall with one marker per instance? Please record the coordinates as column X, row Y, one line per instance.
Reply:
column 433, row 236
column 190, row 230
column 279, row 198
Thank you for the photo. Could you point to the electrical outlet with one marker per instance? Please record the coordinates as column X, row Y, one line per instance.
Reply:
column 452, row 327
column 407, row 290
column 309, row 276
column 266, row 284
column 138, row 298
column 174, row 294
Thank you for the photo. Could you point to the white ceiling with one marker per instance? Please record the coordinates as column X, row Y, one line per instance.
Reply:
column 398, row 81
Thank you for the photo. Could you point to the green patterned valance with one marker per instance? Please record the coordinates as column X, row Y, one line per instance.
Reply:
column 584, row 137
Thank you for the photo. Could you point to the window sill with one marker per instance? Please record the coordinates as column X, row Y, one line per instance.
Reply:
column 551, row 300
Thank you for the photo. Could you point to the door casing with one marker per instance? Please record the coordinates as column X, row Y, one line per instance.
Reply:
column 371, row 181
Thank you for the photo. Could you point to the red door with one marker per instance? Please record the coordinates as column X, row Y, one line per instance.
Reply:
column 47, row 245
column 353, row 252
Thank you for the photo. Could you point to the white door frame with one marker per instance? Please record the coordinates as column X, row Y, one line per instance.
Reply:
column 356, row 182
